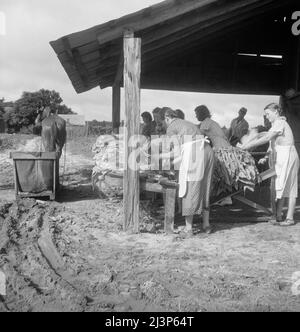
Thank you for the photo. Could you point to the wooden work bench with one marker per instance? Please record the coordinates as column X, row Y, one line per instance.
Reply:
column 164, row 186
column 170, row 189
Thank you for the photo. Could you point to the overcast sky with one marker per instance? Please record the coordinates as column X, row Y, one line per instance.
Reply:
column 28, row 63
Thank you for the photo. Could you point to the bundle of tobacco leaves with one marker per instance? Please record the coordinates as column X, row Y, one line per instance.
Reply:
column 235, row 169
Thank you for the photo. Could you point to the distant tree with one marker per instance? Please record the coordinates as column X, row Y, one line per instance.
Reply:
column 95, row 123
column 25, row 109
column 1, row 107
column 63, row 109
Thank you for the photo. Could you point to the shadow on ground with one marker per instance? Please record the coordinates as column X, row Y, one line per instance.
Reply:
column 81, row 192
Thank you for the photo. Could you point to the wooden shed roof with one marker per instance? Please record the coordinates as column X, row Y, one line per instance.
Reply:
column 176, row 29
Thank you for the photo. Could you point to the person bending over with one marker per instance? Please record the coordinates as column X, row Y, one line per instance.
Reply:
column 195, row 159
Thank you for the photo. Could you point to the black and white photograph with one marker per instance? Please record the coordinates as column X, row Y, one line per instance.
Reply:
column 149, row 158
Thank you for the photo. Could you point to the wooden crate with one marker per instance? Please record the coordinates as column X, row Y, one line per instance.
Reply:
column 36, row 174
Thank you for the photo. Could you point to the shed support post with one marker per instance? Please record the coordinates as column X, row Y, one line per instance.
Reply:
column 132, row 73
column 116, row 108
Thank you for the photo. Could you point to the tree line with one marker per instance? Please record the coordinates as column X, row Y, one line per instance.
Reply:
column 19, row 116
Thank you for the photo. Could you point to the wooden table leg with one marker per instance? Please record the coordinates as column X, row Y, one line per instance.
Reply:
column 170, row 203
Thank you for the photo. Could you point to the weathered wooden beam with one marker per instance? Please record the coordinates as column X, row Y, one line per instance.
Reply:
column 116, row 107
column 116, row 92
column 132, row 73
column 120, row 71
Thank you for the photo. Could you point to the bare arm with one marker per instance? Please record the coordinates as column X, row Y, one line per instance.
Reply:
column 264, row 139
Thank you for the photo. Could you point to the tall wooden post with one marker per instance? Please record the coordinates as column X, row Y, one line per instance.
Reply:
column 116, row 107
column 132, row 73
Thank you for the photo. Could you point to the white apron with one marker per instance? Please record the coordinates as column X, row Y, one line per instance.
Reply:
column 286, row 167
column 192, row 164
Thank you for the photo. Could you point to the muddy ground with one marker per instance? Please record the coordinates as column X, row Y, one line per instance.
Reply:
column 72, row 255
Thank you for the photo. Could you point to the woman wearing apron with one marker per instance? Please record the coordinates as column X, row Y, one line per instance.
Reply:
column 282, row 143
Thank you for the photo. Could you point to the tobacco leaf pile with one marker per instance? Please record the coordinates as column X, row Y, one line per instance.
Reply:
column 235, row 169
